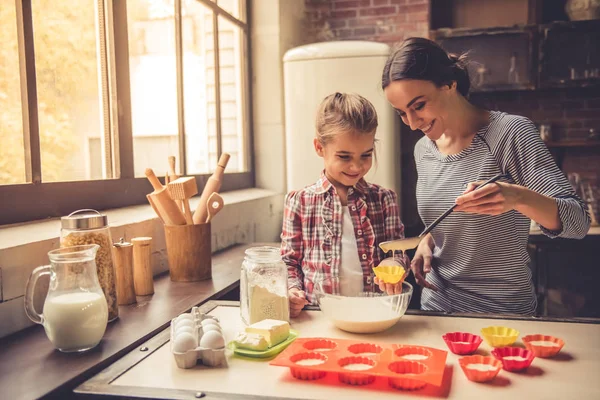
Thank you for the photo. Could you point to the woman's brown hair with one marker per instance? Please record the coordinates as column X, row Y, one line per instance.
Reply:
column 423, row 59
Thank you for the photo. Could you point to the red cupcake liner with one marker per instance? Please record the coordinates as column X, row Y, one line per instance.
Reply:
column 356, row 378
column 476, row 375
column 365, row 349
column 501, row 353
column 320, row 345
column 462, row 343
column 404, row 369
column 305, row 373
column 540, row 350
column 405, row 352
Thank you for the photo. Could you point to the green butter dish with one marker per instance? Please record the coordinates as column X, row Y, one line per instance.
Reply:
column 268, row 353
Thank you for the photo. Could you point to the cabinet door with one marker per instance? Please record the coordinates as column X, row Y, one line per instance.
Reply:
column 501, row 59
column 568, row 276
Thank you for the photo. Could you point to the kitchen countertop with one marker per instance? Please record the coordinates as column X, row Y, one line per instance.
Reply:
column 573, row 372
column 30, row 367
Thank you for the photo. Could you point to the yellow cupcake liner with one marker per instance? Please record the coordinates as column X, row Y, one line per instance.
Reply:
column 499, row 336
column 390, row 273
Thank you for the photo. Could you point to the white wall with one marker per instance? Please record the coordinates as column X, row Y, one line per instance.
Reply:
column 277, row 26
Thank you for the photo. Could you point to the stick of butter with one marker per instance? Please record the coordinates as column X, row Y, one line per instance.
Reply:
column 251, row 341
column 274, row 331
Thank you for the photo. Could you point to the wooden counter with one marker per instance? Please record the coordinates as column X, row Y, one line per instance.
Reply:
column 154, row 374
column 30, row 367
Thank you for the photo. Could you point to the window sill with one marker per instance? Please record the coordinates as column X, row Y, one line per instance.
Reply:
column 36, row 231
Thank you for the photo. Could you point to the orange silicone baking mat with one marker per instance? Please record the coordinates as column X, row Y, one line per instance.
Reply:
column 359, row 362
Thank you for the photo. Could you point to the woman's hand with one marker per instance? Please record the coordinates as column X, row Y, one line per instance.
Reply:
column 394, row 288
column 497, row 198
column 493, row 199
column 421, row 263
column 297, row 301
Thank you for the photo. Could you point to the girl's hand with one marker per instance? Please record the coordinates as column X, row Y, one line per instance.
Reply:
column 394, row 288
column 493, row 199
column 297, row 301
column 421, row 263
column 391, row 288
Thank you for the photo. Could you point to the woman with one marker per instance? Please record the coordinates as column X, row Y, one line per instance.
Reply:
column 476, row 259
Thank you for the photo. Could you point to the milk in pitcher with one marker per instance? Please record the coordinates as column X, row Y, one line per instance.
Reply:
column 75, row 321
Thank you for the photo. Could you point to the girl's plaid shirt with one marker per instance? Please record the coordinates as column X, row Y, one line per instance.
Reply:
column 311, row 238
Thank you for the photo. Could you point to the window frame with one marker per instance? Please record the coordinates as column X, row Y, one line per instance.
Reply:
column 38, row 200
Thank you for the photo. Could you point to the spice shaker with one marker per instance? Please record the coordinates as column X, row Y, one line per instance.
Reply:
column 123, row 255
column 142, row 267
column 90, row 227
column 263, row 286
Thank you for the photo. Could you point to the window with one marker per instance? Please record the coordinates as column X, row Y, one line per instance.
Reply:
column 94, row 92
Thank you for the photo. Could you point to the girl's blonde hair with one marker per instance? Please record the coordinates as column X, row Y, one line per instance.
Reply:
column 345, row 112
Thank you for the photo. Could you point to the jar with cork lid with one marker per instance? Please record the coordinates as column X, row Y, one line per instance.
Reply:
column 91, row 227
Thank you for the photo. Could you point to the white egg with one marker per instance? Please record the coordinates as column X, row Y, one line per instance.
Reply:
column 212, row 340
column 209, row 321
column 184, row 342
column 184, row 328
column 184, row 322
column 184, row 317
column 212, row 327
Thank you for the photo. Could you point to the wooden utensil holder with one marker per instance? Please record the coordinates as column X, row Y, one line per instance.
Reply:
column 189, row 252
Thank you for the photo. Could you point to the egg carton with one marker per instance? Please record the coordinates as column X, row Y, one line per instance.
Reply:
column 197, row 337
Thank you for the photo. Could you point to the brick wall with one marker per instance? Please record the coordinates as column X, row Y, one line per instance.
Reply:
column 387, row 21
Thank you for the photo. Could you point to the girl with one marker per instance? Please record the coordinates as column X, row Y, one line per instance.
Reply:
column 476, row 259
column 332, row 228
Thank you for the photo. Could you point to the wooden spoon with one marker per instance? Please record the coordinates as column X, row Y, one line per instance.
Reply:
column 214, row 204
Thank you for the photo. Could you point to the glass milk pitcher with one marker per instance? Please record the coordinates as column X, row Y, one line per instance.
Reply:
column 75, row 311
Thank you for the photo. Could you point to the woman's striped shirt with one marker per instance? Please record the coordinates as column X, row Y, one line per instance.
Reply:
column 480, row 262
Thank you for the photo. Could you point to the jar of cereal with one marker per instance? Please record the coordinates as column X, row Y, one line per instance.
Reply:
column 90, row 227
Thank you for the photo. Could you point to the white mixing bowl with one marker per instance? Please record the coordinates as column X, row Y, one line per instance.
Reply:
column 366, row 313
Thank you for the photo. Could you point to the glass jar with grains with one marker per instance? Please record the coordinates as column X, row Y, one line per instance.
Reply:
column 263, row 286
column 90, row 227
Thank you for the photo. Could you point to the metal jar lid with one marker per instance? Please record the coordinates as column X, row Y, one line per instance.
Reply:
column 84, row 219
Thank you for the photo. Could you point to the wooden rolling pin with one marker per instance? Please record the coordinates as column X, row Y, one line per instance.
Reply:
column 172, row 177
column 213, row 184
column 172, row 174
column 162, row 203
